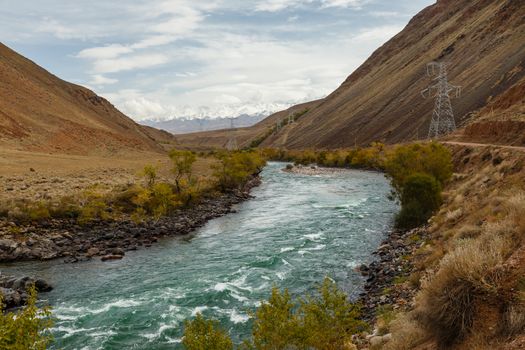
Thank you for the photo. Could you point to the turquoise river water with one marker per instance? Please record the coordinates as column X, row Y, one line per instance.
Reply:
column 297, row 230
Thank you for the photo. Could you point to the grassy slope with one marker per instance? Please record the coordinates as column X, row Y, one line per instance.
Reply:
column 472, row 291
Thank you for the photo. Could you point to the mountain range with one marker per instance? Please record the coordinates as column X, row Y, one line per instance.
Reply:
column 190, row 125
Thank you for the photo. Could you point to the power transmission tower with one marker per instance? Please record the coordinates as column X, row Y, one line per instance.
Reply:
column 232, row 142
column 443, row 116
column 278, row 125
column 291, row 119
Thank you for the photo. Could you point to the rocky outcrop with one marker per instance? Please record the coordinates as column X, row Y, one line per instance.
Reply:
column 73, row 242
column 14, row 289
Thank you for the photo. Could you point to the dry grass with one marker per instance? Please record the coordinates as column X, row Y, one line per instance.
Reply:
column 445, row 305
column 514, row 319
column 407, row 334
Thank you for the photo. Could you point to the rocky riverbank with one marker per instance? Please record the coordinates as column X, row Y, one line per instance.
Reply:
column 388, row 281
column 108, row 240
column 312, row 170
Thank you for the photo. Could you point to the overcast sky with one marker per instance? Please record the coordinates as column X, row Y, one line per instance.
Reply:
column 159, row 59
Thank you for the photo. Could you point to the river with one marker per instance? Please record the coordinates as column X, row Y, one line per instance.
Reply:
column 297, row 230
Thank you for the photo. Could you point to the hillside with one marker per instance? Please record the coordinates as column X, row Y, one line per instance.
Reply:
column 42, row 113
column 482, row 40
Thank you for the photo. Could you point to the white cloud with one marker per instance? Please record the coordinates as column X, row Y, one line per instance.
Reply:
column 104, row 52
column 57, row 29
column 99, row 79
column 355, row 4
column 211, row 58
column 276, row 5
column 385, row 14
column 279, row 5
column 129, row 62
column 377, row 34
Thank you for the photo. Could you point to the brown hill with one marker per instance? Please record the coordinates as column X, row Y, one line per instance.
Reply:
column 42, row 113
column 482, row 40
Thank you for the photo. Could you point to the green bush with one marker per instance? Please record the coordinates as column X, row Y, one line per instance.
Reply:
column 182, row 166
column 156, row 201
column 420, row 197
column 150, row 174
column 325, row 320
column 235, row 168
column 431, row 158
column 201, row 334
column 26, row 329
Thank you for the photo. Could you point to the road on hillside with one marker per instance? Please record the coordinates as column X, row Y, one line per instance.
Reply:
column 472, row 144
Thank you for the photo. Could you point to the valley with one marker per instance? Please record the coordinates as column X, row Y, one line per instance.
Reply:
column 335, row 224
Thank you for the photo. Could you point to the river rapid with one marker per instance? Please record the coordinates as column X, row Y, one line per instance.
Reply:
column 297, row 230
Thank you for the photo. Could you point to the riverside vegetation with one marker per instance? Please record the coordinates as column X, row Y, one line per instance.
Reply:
column 326, row 319
column 153, row 199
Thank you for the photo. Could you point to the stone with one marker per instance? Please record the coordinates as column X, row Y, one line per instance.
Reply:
column 11, row 298
column 42, row 285
column 376, row 341
column 118, row 251
column 8, row 245
column 92, row 251
column 111, row 257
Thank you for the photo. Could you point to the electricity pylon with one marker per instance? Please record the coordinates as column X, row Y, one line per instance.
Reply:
column 232, row 142
column 443, row 116
column 291, row 119
column 278, row 125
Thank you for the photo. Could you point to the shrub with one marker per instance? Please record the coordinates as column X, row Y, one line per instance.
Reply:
column 235, row 168
column 432, row 158
column 182, row 166
column 156, row 201
column 201, row 334
column 325, row 320
column 150, row 174
column 95, row 209
column 27, row 329
column 329, row 319
column 420, row 197
column 446, row 302
column 276, row 326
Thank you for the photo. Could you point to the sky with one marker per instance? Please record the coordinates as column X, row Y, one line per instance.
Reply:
column 165, row 59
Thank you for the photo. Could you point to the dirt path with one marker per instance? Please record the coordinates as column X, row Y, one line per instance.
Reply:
column 471, row 144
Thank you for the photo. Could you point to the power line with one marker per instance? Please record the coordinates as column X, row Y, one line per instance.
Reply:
column 443, row 121
column 232, row 142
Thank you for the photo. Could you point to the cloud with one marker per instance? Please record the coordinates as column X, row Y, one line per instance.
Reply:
column 52, row 26
column 276, row 5
column 386, row 14
column 355, row 4
column 279, row 5
column 99, row 80
column 212, row 58
column 129, row 62
column 377, row 34
column 104, row 52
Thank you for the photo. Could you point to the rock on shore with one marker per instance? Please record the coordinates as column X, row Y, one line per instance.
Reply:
column 388, row 276
column 14, row 289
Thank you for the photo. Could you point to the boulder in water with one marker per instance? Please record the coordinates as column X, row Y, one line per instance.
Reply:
column 111, row 257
